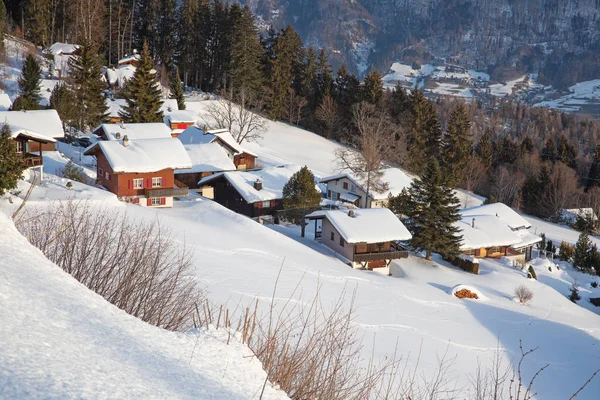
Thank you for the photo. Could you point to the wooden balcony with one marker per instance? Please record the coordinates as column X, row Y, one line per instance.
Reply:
column 394, row 252
column 167, row 192
column 31, row 160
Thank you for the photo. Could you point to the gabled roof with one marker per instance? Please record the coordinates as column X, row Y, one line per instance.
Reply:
column 43, row 122
column 209, row 157
column 155, row 130
column 144, row 155
column 63, row 48
column 17, row 131
column 127, row 59
column 395, row 179
column 500, row 210
column 488, row 231
column 195, row 135
column 368, row 225
column 180, row 116
column 272, row 178
column 116, row 105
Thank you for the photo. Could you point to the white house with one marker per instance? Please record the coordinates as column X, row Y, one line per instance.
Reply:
column 348, row 188
column 496, row 230
column 364, row 238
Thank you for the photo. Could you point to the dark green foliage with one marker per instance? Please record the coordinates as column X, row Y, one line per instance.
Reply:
column 287, row 47
column 373, row 88
column 11, row 165
column 456, row 148
column 424, row 133
column 346, row 92
column 176, row 87
column 594, row 284
column 533, row 193
column 593, row 178
column 433, row 211
column 61, row 100
column 531, row 273
column 141, row 93
column 29, row 86
column 549, row 153
column 485, row 151
column 399, row 104
column 584, row 223
column 87, row 89
column 246, row 54
column 566, row 152
column 300, row 195
column 542, row 244
column 73, row 172
column 400, row 204
column 526, row 145
column 574, row 296
column 582, row 249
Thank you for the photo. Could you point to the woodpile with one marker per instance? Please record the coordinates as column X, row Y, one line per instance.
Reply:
column 466, row 294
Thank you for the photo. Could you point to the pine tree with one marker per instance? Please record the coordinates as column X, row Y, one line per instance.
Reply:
column 323, row 81
column 286, row 49
column 141, row 93
column 38, row 17
column 566, row 152
column 11, row 165
column 574, row 296
column 399, row 104
column 2, row 28
column 549, row 152
column 424, row 133
column 485, row 151
column 300, row 194
column 176, row 89
column 526, row 145
column 433, row 211
column 457, row 147
column 246, row 54
column 29, row 86
column 400, row 204
column 87, row 89
column 593, row 178
column 166, row 22
column 373, row 88
column 346, row 92
column 61, row 100
column 582, row 249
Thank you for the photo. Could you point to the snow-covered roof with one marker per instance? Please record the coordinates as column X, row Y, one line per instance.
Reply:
column 154, row 130
column 368, row 225
column 504, row 212
column 209, row 157
column 195, row 135
column 144, row 155
column 128, row 59
column 527, row 239
column 5, row 102
column 63, row 48
column 43, row 122
column 180, row 116
column 570, row 215
column 394, row 179
column 116, row 105
column 17, row 131
column 273, row 180
column 485, row 231
column 123, row 74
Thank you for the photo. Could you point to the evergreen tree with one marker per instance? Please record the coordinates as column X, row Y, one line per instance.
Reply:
column 300, row 194
column 424, row 133
column 38, row 17
column 593, row 178
column 176, row 89
column 11, row 165
column 457, row 147
column 2, row 27
column 574, row 296
column 29, row 86
column 485, row 151
column 323, row 81
column 373, row 88
column 433, row 211
column 286, row 49
column 187, row 32
column 246, row 54
column 582, row 249
column 399, row 104
column 141, row 93
column 163, row 31
column 87, row 87
column 526, row 145
column 566, row 152
column 61, row 100
column 346, row 92
column 549, row 152
column 400, row 204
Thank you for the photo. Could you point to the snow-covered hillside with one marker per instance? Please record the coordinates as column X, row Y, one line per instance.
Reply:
column 60, row 340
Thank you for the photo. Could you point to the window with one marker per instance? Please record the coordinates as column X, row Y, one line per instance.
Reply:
column 328, row 194
column 20, row 147
column 266, row 204
column 338, row 196
column 156, row 201
column 157, row 181
column 100, row 172
column 341, row 241
column 346, row 185
column 106, row 175
column 332, row 236
column 273, row 203
column 138, row 183
column 353, row 188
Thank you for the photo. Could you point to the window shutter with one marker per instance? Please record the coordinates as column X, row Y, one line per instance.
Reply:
column 149, row 202
column 259, row 204
column 131, row 184
column 149, row 183
column 163, row 201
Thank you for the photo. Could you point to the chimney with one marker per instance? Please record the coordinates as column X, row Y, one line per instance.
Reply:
column 125, row 141
column 118, row 135
column 351, row 213
column 258, row 185
column 473, row 223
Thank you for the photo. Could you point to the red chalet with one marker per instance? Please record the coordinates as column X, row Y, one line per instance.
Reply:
column 141, row 171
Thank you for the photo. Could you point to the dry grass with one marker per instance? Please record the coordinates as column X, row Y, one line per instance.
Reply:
column 466, row 294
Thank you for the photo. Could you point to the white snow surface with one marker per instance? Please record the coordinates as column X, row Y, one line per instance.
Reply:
column 180, row 116
column 116, row 105
column 144, row 155
column 500, row 210
column 43, row 122
column 488, row 231
column 368, row 225
column 5, row 102
column 209, row 157
column 156, row 130
column 195, row 135
column 60, row 340
column 272, row 178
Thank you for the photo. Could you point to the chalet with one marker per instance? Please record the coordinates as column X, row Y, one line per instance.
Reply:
column 363, row 238
column 154, row 130
column 30, row 146
column 241, row 157
column 496, row 230
column 207, row 159
column 133, row 59
column 179, row 120
column 46, row 123
column 349, row 189
column 118, row 77
column 61, row 53
column 141, row 171
column 116, row 105
column 251, row 193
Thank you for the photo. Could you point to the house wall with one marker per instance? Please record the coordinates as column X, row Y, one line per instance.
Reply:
column 347, row 251
column 244, row 161
column 48, row 146
column 191, row 179
column 337, row 186
column 226, row 195
column 180, row 125
column 497, row 251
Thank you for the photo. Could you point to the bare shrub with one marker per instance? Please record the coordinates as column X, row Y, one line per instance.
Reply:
column 523, row 294
column 135, row 265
